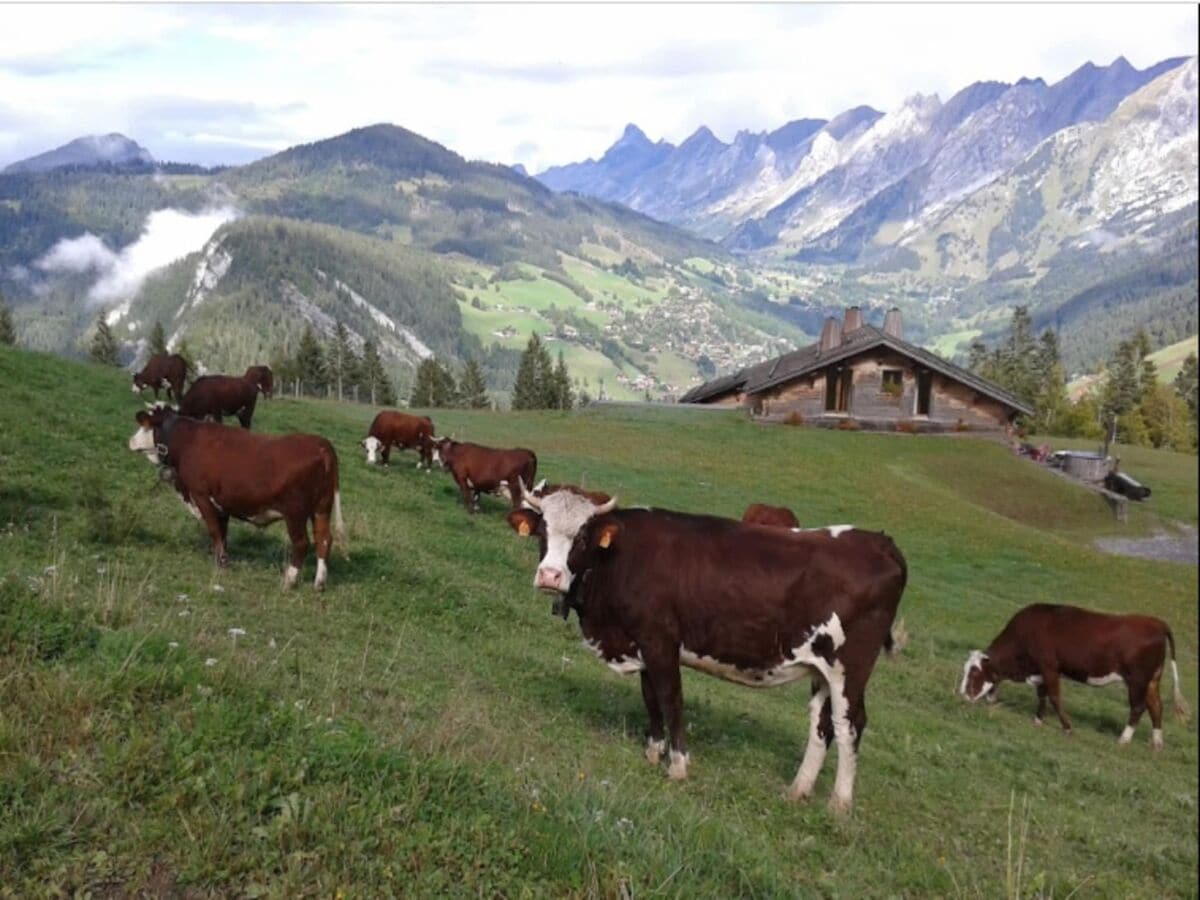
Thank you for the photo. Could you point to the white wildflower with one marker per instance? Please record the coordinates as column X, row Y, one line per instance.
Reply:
column 184, row 612
column 50, row 570
column 236, row 632
column 182, row 598
column 210, row 662
column 174, row 645
column 217, row 589
column 271, row 644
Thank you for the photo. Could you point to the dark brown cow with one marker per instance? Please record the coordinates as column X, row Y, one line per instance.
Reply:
column 775, row 516
column 163, row 371
column 396, row 429
column 217, row 396
column 263, row 378
column 1045, row 642
column 478, row 469
column 761, row 607
column 223, row 472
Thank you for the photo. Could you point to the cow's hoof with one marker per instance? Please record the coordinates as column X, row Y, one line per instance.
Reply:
column 1037, row 721
column 840, row 806
column 1067, row 732
column 290, row 577
column 1156, row 743
column 654, row 751
column 223, row 561
column 797, row 794
column 678, row 769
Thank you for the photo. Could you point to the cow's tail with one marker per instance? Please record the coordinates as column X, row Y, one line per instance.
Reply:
column 340, row 542
column 897, row 637
column 1181, row 707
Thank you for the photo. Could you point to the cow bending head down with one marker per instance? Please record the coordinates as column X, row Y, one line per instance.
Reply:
column 567, row 526
column 374, row 448
column 979, row 678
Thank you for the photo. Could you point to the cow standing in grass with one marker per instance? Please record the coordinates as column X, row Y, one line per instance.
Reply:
column 396, row 429
column 1044, row 643
column 163, row 371
column 477, row 469
column 655, row 590
column 216, row 396
column 222, row 473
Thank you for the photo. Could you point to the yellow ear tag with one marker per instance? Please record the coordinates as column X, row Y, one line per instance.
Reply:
column 605, row 538
column 523, row 529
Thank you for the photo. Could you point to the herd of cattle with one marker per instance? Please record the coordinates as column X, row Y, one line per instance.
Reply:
column 760, row 602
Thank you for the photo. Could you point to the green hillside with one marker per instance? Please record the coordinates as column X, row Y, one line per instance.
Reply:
column 425, row 728
column 1169, row 359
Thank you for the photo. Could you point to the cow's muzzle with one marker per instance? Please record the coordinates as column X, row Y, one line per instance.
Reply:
column 548, row 579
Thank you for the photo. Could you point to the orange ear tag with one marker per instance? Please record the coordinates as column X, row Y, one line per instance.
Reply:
column 605, row 538
column 523, row 529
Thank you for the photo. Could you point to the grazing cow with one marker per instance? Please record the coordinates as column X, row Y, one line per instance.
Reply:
column 263, row 378
column 761, row 607
column 224, row 472
column 217, row 396
column 396, row 429
column 1045, row 642
column 478, row 469
column 777, row 516
column 163, row 371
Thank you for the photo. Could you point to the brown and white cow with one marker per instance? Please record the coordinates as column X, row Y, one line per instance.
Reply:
column 655, row 590
column 776, row 516
column 222, row 473
column 1044, row 643
column 396, row 429
column 264, row 378
column 163, row 371
column 477, row 469
column 217, row 396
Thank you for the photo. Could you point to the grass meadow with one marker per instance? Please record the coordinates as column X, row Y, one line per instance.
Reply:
column 426, row 728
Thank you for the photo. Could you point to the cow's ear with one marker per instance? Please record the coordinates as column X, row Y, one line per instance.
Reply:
column 523, row 521
column 606, row 534
column 142, row 418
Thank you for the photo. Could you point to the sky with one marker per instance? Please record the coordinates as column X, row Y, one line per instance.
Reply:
column 536, row 84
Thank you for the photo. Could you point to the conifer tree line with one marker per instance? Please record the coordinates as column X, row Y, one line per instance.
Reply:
column 1132, row 407
column 541, row 384
column 335, row 369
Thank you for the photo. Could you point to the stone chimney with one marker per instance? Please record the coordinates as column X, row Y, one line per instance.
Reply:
column 892, row 324
column 853, row 320
column 831, row 335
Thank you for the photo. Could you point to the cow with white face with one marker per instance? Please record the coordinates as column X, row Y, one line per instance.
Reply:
column 978, row 678
column 655, row 590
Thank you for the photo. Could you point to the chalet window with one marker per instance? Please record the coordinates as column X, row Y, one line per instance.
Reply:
column 893, row 382
column 837, row 390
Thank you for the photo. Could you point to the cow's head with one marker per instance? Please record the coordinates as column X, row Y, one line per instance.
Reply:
column 573, row 529
column 150, row 422
column 374, row 447
column 139, row 384
column 979, row 677
column 442, row 448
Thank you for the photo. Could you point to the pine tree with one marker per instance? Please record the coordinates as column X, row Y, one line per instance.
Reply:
column 158, row 340
column 104, row 349
column 1122, row 391
column 422, row 390
column 445, row 391
column 373, row 378
column 526, row 389
column 546, row 388
column 1187, row 383
column 310, row 361
column 182, row 349
column 472, row 391
column 8, row 331
column 977, row 356
column 339, row 361
column 563, row 397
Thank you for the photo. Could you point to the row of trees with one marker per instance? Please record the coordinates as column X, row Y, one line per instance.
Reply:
column 335, row 369
column 1132, row 407
column 8, row 331
column 435, row 386
column 540, row 384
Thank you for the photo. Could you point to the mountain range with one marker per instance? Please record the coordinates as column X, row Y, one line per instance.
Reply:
column 90, row 152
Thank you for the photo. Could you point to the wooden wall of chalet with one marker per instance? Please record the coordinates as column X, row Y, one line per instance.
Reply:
column 950, row 401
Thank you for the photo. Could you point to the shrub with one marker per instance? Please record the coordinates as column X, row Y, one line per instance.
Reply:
column 960, row 425
column 793, row 418
column 849, row 425
column 907, row 427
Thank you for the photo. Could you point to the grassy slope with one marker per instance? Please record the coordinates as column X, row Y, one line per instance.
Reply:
column 425, row 727
column 1170, row 358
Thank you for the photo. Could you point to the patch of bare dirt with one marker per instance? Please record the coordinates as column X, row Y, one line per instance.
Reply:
column 1182, row 546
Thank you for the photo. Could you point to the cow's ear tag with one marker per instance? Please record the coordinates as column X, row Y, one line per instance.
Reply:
column 606, row 536
column 523, row 529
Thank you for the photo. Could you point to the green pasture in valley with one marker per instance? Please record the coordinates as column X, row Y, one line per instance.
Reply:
column 426, row 728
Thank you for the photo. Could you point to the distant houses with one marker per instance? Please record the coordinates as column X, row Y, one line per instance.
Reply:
column 858, row 375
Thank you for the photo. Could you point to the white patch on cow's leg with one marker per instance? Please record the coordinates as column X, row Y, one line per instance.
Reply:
column 1126, row 735
column 654, row 750
column 814, row 753
column 677, row 770
column 290, row 576
column 843, row 734
column 1156, row 739
column 322, row 575
column 1101, row 680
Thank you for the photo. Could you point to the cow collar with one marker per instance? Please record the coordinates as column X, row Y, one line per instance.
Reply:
column 162, row 435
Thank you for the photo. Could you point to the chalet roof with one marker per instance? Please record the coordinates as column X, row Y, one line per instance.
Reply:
column 807, row 360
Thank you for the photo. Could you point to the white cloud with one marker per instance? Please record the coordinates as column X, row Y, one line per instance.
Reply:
column 557, row 81
column 168, row 235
